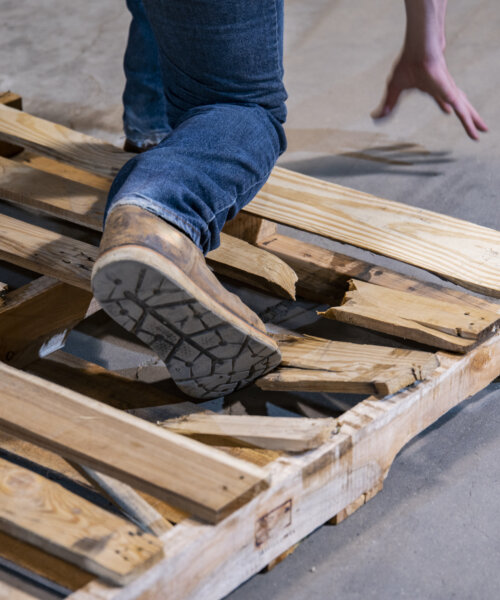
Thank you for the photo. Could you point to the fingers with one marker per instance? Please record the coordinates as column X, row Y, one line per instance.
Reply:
column 444, row 106
column 467, row 114
column 388, row 103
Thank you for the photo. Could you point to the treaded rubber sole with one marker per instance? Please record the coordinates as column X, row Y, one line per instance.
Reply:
column 207, row 354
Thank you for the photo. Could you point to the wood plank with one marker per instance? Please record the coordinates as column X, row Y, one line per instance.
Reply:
column 45, row 514
column 42, row 563
column 84, row 205
column 206, row 563
column 60, row 143
column 36, row 318
column 238, row 259
column 275, row 433
column 445, row 325
column 250, row 228
column 309, row 352
column 457, row 250
column 199, row 479
column 137, row 509
column 46, row 252
column 323, row 275
column 376, row 380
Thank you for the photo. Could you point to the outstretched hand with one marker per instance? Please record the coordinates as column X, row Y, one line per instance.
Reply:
column 433, row 78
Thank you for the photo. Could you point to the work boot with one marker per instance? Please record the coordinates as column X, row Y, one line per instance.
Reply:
column 154, row 281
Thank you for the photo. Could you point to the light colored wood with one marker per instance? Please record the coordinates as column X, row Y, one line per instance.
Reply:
column 45, row 514
column 357, row 504
column 275, row 433
column 51, row 194
column 84, row 205
column 36, row 318
column 131, row 503
column 201, row 480
column 445, row 325
column 46, row 252
column 458, row 250
column 42, row 563
column 60, row 143
column 14, row 588
column 323, row 275
column 206, row 563
column 250, row 228
column 240, row 260
column 374, row 380
column 455, row 249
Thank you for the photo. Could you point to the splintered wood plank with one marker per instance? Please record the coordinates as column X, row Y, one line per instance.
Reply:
column 323, row 275
column 276, row 433
column 239, row 259
column 45, row 514
column 319, row 365
column 199, row 479
column 36, row 318
column 250, row 228
column 46, row 252
column 444, row 325
column 60, row 143
column 376, row 380
column 457, row 250
column 84, row 205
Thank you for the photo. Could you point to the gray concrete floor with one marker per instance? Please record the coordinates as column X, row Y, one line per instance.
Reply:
column 434, row 531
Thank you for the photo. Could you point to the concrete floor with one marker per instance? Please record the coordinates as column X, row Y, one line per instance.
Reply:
column 434, row 531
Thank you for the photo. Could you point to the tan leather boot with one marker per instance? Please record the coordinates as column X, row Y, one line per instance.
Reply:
column 153, row 281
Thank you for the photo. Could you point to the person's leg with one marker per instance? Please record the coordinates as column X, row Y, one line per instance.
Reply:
column 222, row 72
column 222, row 68
column 145, row 120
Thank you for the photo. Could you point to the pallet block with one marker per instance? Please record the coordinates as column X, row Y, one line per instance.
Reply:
column 314, row 474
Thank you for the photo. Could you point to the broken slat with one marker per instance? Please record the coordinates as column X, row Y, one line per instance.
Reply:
column 318, row 365
column 84, row 205
column 45, row 514
column 199, row 479
column 274, row 433
column 250, row 228
column 14, row 101
column 323, row 275
column 130, row 502
column 381, row 381
column 458, row 250
column 445, row 325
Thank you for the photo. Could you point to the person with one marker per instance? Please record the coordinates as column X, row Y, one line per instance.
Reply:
column 204, row 108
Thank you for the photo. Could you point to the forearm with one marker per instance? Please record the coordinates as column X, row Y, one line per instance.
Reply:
column 425, row 29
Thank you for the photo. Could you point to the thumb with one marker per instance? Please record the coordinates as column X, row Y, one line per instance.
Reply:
column 388, row 103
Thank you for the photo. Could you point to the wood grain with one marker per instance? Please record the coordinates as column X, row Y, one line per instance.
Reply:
column 457, row 250
column 444, row 325
column 200, row 480
column 323, row 275
column 275, row 433
column 14, row 101
column 45, row 514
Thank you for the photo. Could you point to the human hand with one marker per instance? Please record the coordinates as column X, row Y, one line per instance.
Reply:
column 432, row 77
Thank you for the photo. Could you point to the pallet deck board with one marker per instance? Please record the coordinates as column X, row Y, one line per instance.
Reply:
column 47, row 515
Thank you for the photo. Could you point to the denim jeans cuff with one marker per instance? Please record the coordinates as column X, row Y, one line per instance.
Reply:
column 158, row 209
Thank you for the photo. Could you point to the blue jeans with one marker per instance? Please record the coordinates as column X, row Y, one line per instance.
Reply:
column 205, row 76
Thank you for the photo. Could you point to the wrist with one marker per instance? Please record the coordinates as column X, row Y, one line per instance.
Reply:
column 425, row 32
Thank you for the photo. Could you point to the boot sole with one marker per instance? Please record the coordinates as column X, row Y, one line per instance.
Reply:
column 209, row 351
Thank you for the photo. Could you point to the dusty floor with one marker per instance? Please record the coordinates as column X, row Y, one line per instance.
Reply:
column 434, row 532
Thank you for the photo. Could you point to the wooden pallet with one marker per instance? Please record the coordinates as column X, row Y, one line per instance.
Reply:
column 205, row 500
